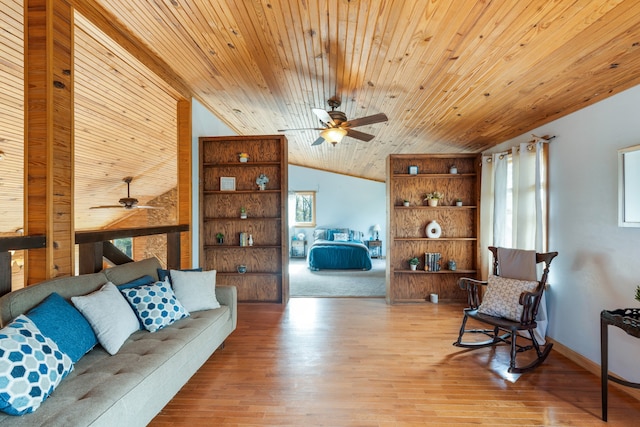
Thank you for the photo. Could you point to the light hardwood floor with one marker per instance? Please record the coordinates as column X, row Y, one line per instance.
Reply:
column 360, row 362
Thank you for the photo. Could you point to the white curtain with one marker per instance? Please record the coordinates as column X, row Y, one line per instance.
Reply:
column 512, row 199
column 513, row 207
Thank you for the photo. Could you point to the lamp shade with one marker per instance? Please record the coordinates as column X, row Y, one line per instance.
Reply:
column 333, row 135
column 377, row 228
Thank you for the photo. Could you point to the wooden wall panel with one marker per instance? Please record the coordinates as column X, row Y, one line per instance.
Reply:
column 49, row 137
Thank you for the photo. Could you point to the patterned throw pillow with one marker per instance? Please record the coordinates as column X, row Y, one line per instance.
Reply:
column 156, row 305
column 341, row 237
column 31, row 366
column 502, row 298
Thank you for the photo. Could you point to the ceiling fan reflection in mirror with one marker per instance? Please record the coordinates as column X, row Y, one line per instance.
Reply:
column 126, row 202
column 336, row 125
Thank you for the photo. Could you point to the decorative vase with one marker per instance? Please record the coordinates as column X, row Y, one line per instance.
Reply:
column 243, row 215
column 220, row 240
column 459, row 203
column 241, row 268
column 433, row 202
column 453, row 170
column 406, row 204
column 413, row 267
column 433, row 230
column 261, row 186
column 452, row 265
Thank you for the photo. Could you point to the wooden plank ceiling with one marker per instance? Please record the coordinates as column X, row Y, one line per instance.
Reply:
column 452, row 76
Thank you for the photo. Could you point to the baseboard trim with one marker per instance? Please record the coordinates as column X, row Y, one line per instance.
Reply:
column 590, row 366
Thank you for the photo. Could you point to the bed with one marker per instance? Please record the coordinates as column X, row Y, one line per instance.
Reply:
column 338, row 249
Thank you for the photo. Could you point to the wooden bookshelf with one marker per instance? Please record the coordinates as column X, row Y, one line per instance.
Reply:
column 267, row 260
column 406, row 224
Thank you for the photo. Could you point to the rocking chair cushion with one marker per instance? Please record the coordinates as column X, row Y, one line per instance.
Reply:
column 502, row 298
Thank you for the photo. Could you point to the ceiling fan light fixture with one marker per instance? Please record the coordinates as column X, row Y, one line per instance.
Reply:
column 333, row 135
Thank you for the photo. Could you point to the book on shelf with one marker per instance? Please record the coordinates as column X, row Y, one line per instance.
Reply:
column 432, row 261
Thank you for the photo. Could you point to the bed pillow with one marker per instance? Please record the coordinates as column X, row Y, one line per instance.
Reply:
column 109, row 315
column 57, row 319
column 163, row 274
column 156, row 305
column 31, row 367
column 502, row 298
column 196, row 290
column 319, row 234
column 341, row 237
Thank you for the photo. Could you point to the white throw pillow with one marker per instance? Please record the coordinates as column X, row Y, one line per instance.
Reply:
column 196, row 290
column 110, row 316
column 502, row 298
column 341, row 237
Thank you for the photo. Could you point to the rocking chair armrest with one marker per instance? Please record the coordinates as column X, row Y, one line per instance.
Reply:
column 471, row 286
column 529, row 303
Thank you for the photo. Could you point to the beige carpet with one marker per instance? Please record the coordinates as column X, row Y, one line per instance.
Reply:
column 336, row 283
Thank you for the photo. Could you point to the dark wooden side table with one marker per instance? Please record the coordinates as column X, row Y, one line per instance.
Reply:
column 627, row 319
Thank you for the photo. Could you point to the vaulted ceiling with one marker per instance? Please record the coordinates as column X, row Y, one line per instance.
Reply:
column 451, row 75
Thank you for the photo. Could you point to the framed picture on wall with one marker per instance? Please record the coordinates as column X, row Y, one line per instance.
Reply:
column 227, row 183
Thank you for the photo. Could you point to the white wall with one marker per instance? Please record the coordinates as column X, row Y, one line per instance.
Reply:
column 342, row 201
column 598, row 266
column 203, row 123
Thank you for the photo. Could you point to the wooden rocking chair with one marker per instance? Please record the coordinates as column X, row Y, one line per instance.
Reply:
column 507, row 330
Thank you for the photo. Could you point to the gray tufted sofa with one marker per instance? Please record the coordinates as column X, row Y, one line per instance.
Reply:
column 131, row 387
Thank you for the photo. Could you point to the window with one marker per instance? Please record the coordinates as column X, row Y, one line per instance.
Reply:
column 125, row 245
column 305, row 209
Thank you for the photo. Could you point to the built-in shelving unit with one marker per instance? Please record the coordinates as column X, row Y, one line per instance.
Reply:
column 406, row 226
column 266, row 260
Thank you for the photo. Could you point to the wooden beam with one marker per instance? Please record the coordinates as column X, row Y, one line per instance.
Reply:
column 108, row 24
column 102, row 235
column 184, row 165
column 48, row 148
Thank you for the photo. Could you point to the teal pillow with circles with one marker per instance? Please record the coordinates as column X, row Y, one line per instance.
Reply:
column 31, row 366
column 155, row 305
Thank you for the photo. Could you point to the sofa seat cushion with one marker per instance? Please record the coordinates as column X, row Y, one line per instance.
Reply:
column 134, row 376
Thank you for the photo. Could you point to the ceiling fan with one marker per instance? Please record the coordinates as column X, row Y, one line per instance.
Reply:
column 336, row 125
column 126, row 202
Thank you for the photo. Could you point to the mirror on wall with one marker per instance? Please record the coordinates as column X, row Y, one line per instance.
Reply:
column 629, row 187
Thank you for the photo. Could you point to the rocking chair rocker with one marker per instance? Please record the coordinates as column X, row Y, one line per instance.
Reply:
column 506, row 330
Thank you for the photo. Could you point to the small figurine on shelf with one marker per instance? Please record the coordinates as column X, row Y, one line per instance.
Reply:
column 453, row 169
column 244, row 157
column 250, row 239
column 262, row 181
column 243, row 213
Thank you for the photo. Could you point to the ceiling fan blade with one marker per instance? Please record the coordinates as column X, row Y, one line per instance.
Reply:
column 368, row 120
column 359, row 135
column 323, row 116
column 318, row 141
column 106, row 207
column 286, row 130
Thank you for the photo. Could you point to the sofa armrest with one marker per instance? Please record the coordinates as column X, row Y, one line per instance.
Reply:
column 228, row 295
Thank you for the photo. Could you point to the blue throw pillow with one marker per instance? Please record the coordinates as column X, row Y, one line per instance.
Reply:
column 144, row 280
column 31, row 366
column 163, row 274
column 65, row 325
column 155, row 305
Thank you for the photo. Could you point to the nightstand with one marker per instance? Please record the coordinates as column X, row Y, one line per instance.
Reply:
column 298, row 248
column 375, row 248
